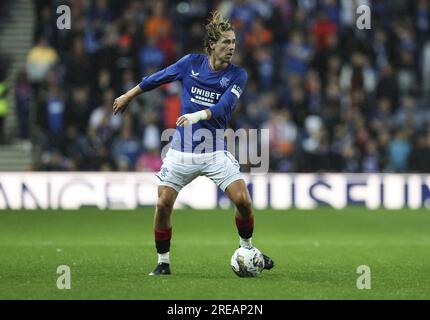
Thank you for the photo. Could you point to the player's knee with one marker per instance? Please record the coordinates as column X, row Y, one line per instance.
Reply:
column 243, row 203
column 164, row 206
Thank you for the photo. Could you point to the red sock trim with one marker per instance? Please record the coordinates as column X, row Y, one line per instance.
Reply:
column 245, row 224
column 163, row 234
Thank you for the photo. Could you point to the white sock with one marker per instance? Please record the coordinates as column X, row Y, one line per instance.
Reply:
column 245, row 242
column 164, row 257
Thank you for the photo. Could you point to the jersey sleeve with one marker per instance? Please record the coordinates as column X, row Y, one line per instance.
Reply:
column 171, row 73
column 230, row 97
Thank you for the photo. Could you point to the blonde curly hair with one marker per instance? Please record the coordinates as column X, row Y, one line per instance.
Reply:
column 216, row 26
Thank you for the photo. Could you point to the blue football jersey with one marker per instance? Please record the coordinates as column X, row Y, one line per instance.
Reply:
column 202, row 88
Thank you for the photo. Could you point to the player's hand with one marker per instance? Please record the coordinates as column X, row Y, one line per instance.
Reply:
column 120, row 104
column 183, row 121
column 191, row 118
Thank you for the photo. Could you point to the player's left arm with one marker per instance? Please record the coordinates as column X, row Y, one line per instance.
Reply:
column 226, row 104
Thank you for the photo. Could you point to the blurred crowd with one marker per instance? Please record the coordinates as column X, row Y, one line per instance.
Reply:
column 335, row 98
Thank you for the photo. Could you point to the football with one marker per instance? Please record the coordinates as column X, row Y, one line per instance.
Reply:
column 247, row 262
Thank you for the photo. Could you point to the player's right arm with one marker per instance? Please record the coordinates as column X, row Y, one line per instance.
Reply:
column 171, row 73
column 121, row 103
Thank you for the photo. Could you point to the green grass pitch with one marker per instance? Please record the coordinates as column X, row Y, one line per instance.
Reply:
column 316, row 253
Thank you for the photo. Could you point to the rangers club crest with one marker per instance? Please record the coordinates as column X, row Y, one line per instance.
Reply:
column 224, row 82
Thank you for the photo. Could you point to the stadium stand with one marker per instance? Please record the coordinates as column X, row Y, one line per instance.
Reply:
column 334, row 97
